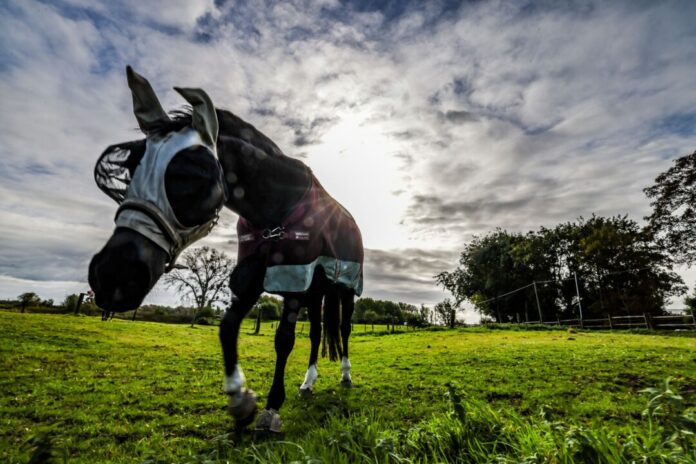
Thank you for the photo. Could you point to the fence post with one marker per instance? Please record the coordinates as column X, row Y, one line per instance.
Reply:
column 541, row 319
column 611, row 326
column 80, row 299
column 648, row 322
column 577, row 290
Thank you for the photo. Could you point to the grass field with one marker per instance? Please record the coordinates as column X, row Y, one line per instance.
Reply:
column 76, row 389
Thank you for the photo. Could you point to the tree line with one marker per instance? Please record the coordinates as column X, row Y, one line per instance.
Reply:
column 595, row 267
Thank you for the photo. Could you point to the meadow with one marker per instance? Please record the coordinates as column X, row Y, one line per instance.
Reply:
column 76, row 389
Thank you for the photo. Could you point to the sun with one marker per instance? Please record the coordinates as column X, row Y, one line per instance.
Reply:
column 356, row 163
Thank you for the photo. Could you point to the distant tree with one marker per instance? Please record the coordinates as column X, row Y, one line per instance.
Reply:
column 673, row 220
column 70, row 302
column 493, row 265
column 446, row 312
column 204, row 280
column 28, row 299
column 623, row 271
column 690, row 302
column 369, row 316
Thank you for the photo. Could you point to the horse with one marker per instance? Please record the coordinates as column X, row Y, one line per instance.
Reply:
column 294, row 239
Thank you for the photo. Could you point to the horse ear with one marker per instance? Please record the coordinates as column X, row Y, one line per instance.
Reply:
column 204, row 118
column 146, row 106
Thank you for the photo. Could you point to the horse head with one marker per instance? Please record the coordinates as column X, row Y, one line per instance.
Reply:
column 170, row 187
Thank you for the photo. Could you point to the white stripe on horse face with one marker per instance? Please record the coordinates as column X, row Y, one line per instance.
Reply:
column 310, row 377
column 235, row 382
column 345, row 368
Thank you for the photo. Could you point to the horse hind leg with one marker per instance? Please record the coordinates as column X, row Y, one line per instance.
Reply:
column 314, row 314
column 347, row 307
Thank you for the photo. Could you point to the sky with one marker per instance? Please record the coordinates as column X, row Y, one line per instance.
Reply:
column 430, row 121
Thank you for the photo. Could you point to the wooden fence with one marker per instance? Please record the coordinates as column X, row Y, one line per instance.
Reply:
column 644, row 321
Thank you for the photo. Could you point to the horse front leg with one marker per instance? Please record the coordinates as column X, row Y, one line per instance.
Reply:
column 314, row 316
column 269, row 419
column 246, row 283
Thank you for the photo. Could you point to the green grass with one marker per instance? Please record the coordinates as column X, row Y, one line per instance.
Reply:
column 81, row 390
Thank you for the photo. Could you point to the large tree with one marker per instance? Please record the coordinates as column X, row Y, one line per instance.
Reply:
column 204, row 279
column 524, row 277
column 673, row 220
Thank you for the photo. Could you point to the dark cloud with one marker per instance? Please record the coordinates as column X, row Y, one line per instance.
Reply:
column 457, row 117
column 407, row 274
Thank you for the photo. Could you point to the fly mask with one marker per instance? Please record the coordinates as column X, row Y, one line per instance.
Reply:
column 140, row 185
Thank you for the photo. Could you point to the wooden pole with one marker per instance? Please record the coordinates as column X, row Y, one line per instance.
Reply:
column 577, row 290
column 611, row 325
column 257, row 328
column 541, row 319
column 79, row 303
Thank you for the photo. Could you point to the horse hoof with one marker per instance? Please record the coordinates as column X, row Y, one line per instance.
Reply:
column 242, row 407
column 306, row 392
column 268, row 425
column 346, row 383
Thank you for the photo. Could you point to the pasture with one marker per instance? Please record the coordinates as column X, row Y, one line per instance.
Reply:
column 80, row 390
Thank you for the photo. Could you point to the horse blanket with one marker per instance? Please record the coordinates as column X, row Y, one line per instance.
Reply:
column 318, row 231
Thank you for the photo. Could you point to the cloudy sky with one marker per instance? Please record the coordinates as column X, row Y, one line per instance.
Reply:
column 430, row 121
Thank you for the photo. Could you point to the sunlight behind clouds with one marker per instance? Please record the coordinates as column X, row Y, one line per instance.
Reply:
column 355, row 162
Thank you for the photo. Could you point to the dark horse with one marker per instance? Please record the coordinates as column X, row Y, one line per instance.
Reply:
column 294, row 239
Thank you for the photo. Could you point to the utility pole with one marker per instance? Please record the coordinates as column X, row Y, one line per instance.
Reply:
column 577, row 290
column 541, row 319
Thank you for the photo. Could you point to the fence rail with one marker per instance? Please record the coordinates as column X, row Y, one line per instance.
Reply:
column 644, row 321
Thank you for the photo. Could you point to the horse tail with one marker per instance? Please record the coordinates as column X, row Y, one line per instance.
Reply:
column 331, row 340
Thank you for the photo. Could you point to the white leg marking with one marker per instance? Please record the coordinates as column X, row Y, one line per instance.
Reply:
column 235, row 382
column 345, row 369
column 309, row 378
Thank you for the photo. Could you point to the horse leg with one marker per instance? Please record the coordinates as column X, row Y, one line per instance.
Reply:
column 269, row 419
column 314, row 315
column 246, row 283
column 347, row 307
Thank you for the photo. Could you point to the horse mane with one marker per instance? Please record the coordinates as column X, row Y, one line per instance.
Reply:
column 230, row 125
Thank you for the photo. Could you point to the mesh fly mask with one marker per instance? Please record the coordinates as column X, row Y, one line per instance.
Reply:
column 142, row 194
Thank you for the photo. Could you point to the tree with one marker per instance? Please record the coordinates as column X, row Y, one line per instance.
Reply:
column 690, row 302
column 70, row 302
column 446, row 312
column 28, row 299
column 267, row 308
column 673, row 221
column 619, row 270
column 204, row 280
column 369, row 317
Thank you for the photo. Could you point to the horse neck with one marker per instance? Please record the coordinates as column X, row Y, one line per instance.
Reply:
column 265, row 191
